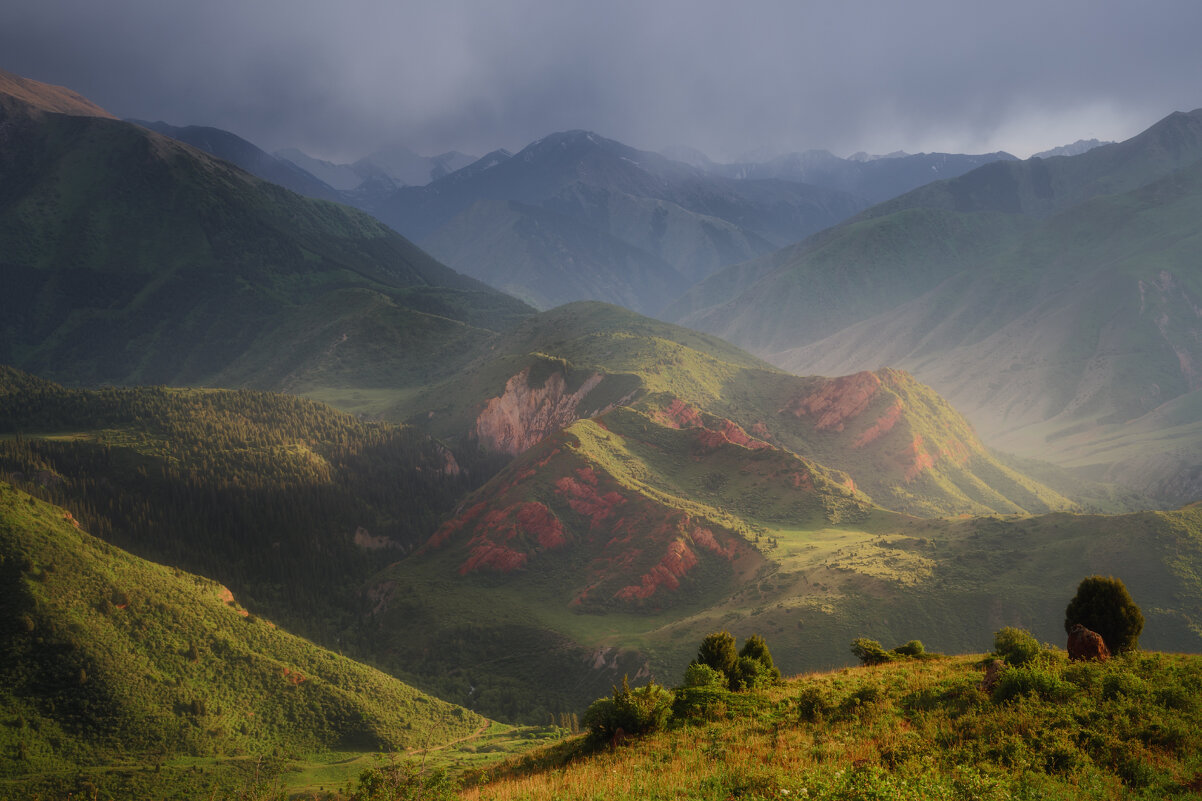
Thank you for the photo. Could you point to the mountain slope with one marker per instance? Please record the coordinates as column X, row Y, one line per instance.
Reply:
column 899, row 442
column 236, row 150
column 1053, row 301
column 109, row 658
column 515, row 247
column 130, row 257
column 670, row 211
column 284, row 500
column 873, row 178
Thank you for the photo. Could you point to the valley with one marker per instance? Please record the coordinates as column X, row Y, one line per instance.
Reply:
column 287, row 504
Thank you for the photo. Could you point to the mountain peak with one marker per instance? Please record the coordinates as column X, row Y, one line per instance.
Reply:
column 47, row 97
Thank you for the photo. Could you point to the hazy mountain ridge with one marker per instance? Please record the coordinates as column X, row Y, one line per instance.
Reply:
column 236, row 150
column 873, row 178
column 1051, row 300
column 669, row 211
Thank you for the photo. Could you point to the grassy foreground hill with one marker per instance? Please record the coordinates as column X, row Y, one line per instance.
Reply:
column 120, row 667
column 1125, row 729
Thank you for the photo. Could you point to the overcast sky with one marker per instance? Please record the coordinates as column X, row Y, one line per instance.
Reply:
column 341, row 79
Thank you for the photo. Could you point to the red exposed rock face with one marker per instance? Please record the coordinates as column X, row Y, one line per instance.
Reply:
column 666, row 573
column 584, row 498
column 1084, row 644
column 523, row 415
column 679, row 414
column 503, row 536
column 493, row 556
column 839, row 400
column 883, row 424
column 919, row 459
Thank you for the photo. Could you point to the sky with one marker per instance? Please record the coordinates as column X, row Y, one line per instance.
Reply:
column 342, row 79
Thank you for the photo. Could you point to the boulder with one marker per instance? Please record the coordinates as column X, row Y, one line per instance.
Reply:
column 1084, row 644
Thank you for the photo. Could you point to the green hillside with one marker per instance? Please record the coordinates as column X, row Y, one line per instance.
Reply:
column 494, row 583
column 900, row 443
column 138, row 670
column 286, row 501
column 919, row 729
column 132, row 258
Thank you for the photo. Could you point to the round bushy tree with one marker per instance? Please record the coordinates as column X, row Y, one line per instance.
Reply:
column 756, row 647
column 1103, row 604
column 718, row 651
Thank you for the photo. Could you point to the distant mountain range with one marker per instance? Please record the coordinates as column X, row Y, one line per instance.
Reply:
column 396, row 166
column 871, row 178
column 577, row 216
column 1055, row 301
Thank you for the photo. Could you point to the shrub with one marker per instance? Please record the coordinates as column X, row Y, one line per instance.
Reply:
column 635, row 711
column 756, row 648
column 870, row 652
column 814, row 704
column 750, row 674
column 718, row 651
column 1045, row 683
column 1016, row 647
column 698, row 675
column 746, row 669
column 1103, row 604
column 405, row 781
column 913, row 648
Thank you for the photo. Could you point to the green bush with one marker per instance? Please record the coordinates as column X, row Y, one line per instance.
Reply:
column 635, row 711
column 1043, row 682
column 751, row 674
column 814, row 704
column 914, row 648
column 1016, row 647
column 698, row 675
column 870, row 652
column 1103, row 604
column 405, row 781
column 746, row 669
column 718, row 651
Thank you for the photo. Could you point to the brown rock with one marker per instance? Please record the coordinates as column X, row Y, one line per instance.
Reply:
column 1084, row 644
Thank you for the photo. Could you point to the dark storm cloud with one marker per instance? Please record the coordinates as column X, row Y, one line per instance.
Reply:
column 340, row 79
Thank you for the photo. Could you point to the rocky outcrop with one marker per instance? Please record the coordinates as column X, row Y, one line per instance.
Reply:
column 1084, row 644
column 839, row 400
column 523, row 415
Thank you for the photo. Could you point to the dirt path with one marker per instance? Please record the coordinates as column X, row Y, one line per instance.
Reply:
column 483, row 728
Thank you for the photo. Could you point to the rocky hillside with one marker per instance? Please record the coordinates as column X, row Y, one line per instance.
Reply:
column 897, row 440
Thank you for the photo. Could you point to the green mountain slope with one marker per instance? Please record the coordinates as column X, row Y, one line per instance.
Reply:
column 130, row 257
column 112, row 659
column 285, row 500
column 899, row 442
column 616, row 546
column 1048, row 300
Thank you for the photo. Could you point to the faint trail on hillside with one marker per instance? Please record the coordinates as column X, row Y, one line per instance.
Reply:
column 483, row 727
